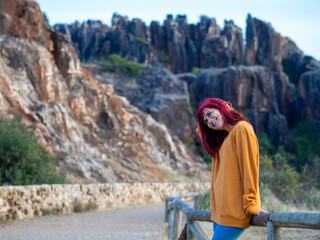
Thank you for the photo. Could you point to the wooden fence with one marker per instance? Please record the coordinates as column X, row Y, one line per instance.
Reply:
column 191, row 229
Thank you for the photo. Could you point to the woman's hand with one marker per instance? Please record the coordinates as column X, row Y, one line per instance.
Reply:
column 261, row 211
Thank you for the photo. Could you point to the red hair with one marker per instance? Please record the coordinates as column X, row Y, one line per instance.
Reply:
column 211, row 140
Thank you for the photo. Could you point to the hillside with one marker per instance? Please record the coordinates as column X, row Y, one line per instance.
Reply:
column 97, row 135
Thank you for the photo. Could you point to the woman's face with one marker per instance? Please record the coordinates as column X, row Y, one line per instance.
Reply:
column 213, row 119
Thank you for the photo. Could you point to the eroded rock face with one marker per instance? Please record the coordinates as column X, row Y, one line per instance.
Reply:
column 95, row 41
column 309, row 88
column 158, row 92
column 263, row 44
column 176, row 44
column 252, row 90
column 98, row 135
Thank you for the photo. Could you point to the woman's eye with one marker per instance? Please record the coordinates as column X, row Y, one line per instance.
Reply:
column 209, row 114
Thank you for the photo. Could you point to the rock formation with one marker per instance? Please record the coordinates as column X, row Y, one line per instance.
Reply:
column 182, row 45
column 251, row 89
column 158, row 92
column 98, row 135
column 289, row 66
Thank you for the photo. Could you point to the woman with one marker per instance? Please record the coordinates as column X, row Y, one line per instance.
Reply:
column 230, row 139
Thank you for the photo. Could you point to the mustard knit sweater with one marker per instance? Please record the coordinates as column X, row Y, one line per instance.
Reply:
column 235, row 193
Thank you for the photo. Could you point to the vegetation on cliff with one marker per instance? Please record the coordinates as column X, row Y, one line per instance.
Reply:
column 23, row 161
column 116, row 62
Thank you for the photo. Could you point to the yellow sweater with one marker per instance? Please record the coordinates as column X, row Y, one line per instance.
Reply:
column 235, row 193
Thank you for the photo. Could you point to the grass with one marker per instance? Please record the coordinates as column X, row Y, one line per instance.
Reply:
column 180, row 177
column 79, row 207
column 129, row 67
column 46, row 211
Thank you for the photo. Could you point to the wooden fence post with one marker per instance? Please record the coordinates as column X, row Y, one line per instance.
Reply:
column 170, row 224
column 273, row 231
column 183, row 234
column 197, row 231
column 189, row 233
column 176, row 223
column 196, row 202
column 166, row 210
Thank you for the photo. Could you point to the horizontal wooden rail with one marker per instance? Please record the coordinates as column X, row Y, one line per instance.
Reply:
column 273, row 221
column 196, row 195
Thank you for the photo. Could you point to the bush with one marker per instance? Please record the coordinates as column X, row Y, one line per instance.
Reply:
column 163, row 57
column 46, row 211
column 139, row 39
column 96, row 62
column 204, row 202
column 23, row 160
column 196, row 70
column 310, row 175
column 305, row 137
column 129, row 67
column 265, row 146
column 79, row 207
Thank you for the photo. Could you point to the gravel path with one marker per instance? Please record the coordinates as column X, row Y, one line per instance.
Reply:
column 134, row 223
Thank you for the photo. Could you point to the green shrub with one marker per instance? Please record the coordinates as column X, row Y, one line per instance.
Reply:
column 196, row 70
column 310, row 175
column 277, row 175
column 306, row 142
column 139, row 39
column 163, row 57
column 129, row 67
column 205, row 156
column 286, row 182
column 265, row 146
column 247, row 114
column 23, row 160
column 79, row 207
column 46, row 211
column 204, row 202
column 96, row 62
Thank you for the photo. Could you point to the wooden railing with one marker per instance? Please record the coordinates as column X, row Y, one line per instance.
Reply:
column 191, row 229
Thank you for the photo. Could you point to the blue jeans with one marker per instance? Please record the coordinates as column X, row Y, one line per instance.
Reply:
column 226, row 233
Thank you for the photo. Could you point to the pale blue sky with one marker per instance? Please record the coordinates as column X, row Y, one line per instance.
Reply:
column 297, row 19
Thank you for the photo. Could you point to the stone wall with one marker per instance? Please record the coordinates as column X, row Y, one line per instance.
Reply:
column 19, row 202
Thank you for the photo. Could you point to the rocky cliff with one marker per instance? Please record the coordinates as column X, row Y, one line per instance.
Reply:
column 97, row 135
column 267, row 76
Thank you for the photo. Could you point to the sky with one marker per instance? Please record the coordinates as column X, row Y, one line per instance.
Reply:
column 299, row 20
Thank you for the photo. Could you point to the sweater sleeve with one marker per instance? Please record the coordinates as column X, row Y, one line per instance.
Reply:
column 248, row 159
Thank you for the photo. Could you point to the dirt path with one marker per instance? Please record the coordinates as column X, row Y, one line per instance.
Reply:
column 135, row 223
